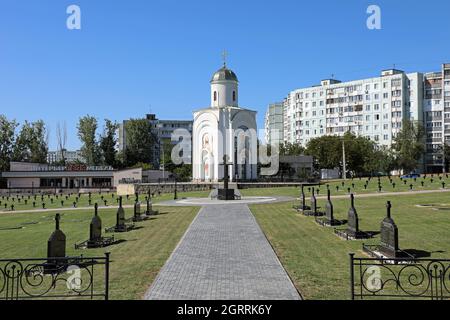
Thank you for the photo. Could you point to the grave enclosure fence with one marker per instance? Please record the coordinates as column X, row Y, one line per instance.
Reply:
column 76, row 278
column 376, row 278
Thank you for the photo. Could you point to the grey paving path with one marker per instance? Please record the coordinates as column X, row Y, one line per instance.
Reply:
column 223, row 255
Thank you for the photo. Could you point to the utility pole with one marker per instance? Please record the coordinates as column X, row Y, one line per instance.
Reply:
column 344, row 162
column 163, row 160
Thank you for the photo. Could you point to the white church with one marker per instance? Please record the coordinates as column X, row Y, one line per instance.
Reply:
column 224, row 128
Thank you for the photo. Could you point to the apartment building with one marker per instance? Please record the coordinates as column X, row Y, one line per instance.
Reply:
column 69, row 156
column 374, row 108
column 274, row 120
column 436, row 107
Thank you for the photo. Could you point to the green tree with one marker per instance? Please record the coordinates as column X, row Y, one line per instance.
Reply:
column 326, row 150
column 140, row 143
column 108, row 142
column 7, row 140
column 409, row 146
column 359, row 152
column 183, row 172
column 87, row 128
column 39, row 144
column 291, row 149
column 382, row 160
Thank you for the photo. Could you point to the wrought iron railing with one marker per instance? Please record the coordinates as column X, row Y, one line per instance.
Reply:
column 399, row 278
column 55, row 278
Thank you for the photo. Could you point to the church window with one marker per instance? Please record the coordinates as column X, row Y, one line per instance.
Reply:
column 234, row 95
column 215, row 95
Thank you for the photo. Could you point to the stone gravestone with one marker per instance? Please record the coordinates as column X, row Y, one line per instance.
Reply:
column 56, row 245
column 137, row 212
column 328, row 220
column 95, row 231
column 329, row 212
column 120, row 216
column 313, row 208
column 150, row 211
column 96, row 240
column 389, row 235
column 353, row 220
column 121, row 222
column 302, row 199
column 313, row 203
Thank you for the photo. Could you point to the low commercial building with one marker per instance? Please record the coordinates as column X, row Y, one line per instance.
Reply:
column 34, row 175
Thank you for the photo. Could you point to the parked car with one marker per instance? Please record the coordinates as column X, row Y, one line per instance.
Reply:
column 411, row 176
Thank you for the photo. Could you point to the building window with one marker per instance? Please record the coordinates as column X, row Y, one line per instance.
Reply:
column 234, row 95
column 215, row 95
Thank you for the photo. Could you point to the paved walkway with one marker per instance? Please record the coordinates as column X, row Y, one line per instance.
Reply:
column 224, row 255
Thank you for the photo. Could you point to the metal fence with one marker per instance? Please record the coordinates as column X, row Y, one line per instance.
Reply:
column 376, row 278
column 56, row 278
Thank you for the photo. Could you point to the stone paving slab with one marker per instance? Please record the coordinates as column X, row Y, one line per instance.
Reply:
column 224, row 255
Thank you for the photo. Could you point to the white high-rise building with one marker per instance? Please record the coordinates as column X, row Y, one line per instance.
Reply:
column 373, row 108
column 436, row 105
column 274, row 120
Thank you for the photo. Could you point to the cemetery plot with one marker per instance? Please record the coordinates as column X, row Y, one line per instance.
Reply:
column 136, row 257
column 58, row 276
column 329, row 220
column 302, row 207
column 96, row 240
column 353, row 232
column 313, row 212
column 317, row 260
column 121, row 222
column 360, row 186
column 42, row 202
column 389, row 244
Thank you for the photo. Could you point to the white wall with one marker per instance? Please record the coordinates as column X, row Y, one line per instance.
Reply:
column 224, row 91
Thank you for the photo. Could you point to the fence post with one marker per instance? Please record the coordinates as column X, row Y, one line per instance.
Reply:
column 107, row 254
column 352, row 276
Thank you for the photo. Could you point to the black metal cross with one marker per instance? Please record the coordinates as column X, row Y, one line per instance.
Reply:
column 226, row 177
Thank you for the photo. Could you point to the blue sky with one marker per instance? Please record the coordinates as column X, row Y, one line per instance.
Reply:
column 134, row 56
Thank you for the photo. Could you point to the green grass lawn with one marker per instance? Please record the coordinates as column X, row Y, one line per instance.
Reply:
column 83, row 200
column 318, row 261
column 135, row 262
column 358, row 187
